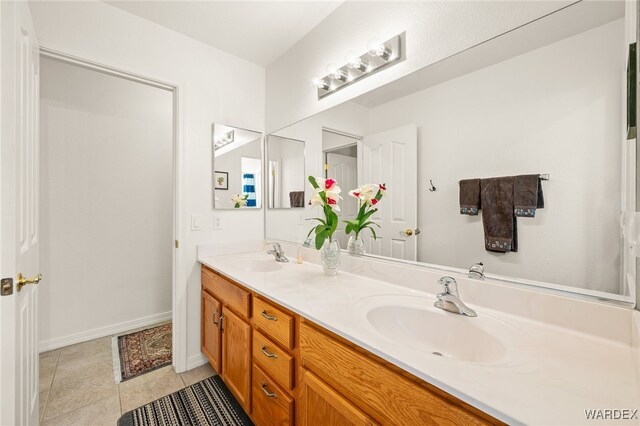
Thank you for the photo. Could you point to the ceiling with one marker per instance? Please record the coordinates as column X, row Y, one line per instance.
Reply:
column 258, row 31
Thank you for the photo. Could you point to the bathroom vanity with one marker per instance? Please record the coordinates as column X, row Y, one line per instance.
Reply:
column 368, row 347
column 285, row 369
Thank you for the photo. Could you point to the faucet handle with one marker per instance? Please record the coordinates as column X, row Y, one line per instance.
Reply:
column 450, row 285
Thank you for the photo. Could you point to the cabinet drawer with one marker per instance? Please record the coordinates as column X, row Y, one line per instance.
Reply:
column 227, row 292
column 388, row 396
column 271, row 406
column 276, row 362
column 274, row 322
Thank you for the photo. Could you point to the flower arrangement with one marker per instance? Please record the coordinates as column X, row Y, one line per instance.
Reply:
column 239, row 200
column 326, row 195
column 368, row 195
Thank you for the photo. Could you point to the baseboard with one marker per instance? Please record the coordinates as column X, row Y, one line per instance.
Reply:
column 196, row 361
column 96, row 333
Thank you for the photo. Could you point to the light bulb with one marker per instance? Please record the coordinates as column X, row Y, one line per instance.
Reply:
column 336, row 73
column 355, row 62
column 377, row 48
column 320, row 83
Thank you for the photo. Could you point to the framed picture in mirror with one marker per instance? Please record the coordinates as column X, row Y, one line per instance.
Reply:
column 221, row 180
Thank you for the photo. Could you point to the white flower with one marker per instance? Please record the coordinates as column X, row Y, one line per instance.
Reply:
column 239, row 200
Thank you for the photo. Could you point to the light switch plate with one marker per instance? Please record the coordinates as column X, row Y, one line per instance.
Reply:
column 217, row 223
column 196, row 222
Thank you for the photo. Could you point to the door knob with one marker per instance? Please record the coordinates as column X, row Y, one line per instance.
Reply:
column 409, row 232
column 22, row 281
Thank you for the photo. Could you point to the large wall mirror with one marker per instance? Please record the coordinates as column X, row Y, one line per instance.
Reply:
column 237, row 168
column 545, row 100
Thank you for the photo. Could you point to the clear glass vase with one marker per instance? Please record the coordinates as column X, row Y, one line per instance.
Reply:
column 355, row 245
column 330, row 255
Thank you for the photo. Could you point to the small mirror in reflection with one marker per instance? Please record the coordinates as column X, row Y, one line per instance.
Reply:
column 237, row 168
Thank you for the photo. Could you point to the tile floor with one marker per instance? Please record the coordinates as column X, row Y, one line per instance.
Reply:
column 77, row 385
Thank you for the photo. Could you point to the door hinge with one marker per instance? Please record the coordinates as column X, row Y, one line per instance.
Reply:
column 177, row 244
column 6, row 287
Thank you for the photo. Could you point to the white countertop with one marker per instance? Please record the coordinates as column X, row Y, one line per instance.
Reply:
column 548, row 375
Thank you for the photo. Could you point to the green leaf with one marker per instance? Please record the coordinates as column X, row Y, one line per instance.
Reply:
column 348, row 228
column 368, row 224
column 320, row 240
column 375, row 237
column 313, row 182
column 320, row 229
column 322, row 221
column 367, row 215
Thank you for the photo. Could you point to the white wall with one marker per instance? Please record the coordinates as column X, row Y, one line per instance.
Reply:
column 106, row 202
column 214, row 87
column 434, row 30
column 554, row 110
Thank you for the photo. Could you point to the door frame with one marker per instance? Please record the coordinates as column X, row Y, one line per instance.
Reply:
column 178, row 281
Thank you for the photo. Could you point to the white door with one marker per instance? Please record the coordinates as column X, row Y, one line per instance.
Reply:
column 343, row 169
column 390, row 157
column 19, row 86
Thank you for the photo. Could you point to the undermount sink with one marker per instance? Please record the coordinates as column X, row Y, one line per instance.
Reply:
column 413, row 322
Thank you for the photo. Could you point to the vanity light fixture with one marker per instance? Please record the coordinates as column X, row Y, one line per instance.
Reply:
column 224, row 139
column 379, row 55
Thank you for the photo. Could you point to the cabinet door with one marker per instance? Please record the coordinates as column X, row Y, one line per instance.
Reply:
column 319, row 404
column 211, row 334
column 236, row 357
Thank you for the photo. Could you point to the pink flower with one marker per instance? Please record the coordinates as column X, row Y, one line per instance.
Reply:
column 328, row 184
column 383, row 188
column 333, row 203
column 355, row 193
column 373, row 201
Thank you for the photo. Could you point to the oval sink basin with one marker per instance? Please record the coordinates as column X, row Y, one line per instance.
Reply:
column 413, row 322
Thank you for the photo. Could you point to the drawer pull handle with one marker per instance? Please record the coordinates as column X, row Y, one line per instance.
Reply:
column 266, row 392
column 213, row 317
column 269, row 317
column 269, row 354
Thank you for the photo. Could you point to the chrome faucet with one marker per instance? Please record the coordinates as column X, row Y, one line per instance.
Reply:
column 449, row 300
column 477, row 271
column 278, row 253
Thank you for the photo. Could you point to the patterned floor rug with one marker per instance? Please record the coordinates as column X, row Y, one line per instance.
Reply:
column 207, row 403
column 141, row 352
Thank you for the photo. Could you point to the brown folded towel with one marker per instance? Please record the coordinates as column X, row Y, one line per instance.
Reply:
column 469, row 196
column 527, row 195
column 500, row 227
column 296, row 198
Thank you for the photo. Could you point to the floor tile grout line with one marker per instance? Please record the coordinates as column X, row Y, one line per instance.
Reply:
column 46, row 402
column 55, row 371
column 76, row 409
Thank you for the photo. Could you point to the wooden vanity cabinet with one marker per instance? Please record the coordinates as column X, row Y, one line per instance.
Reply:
column 236, row 356
column 211, row 337
column 226, row 333
column 285, row 370
column 319, row 404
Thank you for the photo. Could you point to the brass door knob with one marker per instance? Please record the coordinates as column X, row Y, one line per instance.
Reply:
column 409, row 232
column 22, row 281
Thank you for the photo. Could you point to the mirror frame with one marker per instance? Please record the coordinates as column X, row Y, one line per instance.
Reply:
column 260, row 137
